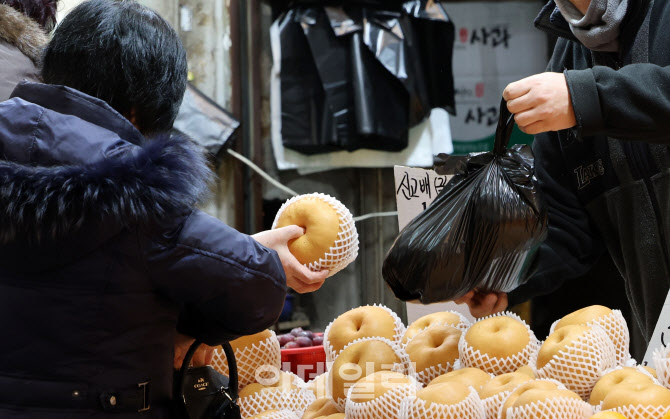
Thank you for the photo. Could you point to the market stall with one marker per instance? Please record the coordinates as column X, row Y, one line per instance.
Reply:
column 372, row 366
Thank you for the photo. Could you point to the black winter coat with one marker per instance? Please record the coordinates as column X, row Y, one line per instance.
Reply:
column 607, row 182
column 103, row 258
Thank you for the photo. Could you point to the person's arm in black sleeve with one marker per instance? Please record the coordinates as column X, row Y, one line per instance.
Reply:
column 632, row 103
column 228, row 284
column 572, row 246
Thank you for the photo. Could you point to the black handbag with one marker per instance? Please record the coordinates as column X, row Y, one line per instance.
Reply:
column 204, row 393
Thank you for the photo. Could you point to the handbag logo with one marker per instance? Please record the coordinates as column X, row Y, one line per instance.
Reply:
column 585, row 174
column 201, row 384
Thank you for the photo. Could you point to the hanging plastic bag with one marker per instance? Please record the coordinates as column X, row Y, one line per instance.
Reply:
column 354, row 74
column 481, row 232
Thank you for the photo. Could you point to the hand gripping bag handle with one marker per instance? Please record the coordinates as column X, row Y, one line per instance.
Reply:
column 233, row 382
column 504, row 130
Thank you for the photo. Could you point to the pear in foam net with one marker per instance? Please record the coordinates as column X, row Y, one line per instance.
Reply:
column 498, row 344
column 360, row 323
column 471, row 377
column 612, row 321
column 323, row 407
column 434, row 351
column 638, row 400
column 549, row 404
column 356, row 362
column 443, row 401
column 275, row 414
column 520, row 390
column 379, row 395
column 503, row 383
column 616, row 378
column 330, row 240
column 577, row 356
column 444, row 318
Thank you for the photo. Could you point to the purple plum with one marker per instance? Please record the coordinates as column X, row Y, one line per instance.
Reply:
column 296, row 331
column 307, row 334
column 303, row 341
column 317, row 341
column 284, row 339
column 292, row 345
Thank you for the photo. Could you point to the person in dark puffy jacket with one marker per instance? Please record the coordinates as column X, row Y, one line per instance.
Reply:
column 103, row 256
column 23, row 27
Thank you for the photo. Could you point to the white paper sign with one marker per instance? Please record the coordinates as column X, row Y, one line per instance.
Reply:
column 416, row 189
column 661, row 336
column 496, row 44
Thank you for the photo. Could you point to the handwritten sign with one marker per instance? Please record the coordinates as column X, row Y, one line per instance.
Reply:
column 661, row 336
column 415, row 190
column 496, row 44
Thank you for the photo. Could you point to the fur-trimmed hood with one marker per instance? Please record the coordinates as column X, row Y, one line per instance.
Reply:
column 61, row 173
column 163, row 177
column 22, row 32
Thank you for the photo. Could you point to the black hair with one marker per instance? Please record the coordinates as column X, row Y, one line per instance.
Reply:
column 123, row 53
column 41, row 11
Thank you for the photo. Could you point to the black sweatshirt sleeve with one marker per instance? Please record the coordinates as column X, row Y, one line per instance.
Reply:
column 573, row 245
column 632, row 103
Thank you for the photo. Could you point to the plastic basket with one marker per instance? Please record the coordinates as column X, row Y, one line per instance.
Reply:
column 307, row 363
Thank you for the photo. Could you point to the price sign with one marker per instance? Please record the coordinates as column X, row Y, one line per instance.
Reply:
column 415, row 190
column 661, row 336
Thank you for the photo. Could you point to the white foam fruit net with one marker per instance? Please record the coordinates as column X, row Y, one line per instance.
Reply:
column 345, row 249
column 319, row 386
column 474, row 358
column 616, row 328
column 386, row 406
column 266, row 353
column 295, row 401
column 638, row 412
column 583, row 362
column 399, row 331
column 560, row 407
column 429, row 374
column 402, row 367
column 463, row 323
column 662, row 365
column 499, row 413
column 440, row 367
column 638, row 368
column 321, row 403
column 493, row 404
column 282, row 414
column 470, row 408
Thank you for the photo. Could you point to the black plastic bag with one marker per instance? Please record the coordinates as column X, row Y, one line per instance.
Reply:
column 205, row 122
column 481, row 232
column 308, row 119
column 432, row 43
column 356, row 76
